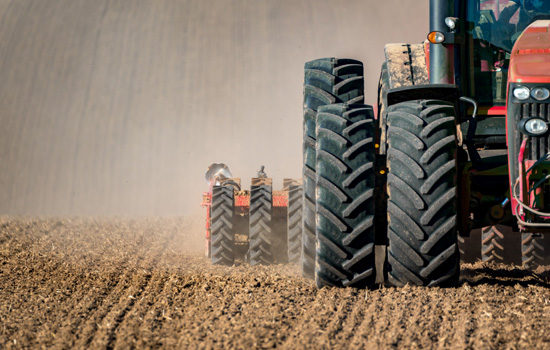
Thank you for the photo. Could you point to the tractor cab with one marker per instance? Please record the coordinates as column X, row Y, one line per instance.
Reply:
column 491, row 28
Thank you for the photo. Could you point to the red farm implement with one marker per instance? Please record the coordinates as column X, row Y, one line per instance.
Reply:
column 255, row 225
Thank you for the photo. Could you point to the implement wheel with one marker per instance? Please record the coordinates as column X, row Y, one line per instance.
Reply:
column 422, row 203
column 327, row 81
column 222, row 230
column 294, row 222
column 260, row 232
column 345, row 196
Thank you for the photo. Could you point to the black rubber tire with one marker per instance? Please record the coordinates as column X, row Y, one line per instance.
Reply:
column 532, row 250
column 260, row 232
column 222, row 247
column 345, row 196
column 294, row 223
column 380, row 190
column 327, row 81
column 492, row 244
column 383, row 88
column 422, row 204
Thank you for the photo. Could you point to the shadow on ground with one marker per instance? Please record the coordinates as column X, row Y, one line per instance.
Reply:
column 504, row 275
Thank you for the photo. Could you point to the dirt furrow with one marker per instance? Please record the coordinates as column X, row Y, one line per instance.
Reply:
column 115, row 312
column 125, row 283
column 95, row 287
column 141, row 285
column 147, row 315
column 105, row 312
column 351, row 330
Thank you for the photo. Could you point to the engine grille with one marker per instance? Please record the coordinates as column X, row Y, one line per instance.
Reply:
column 538, row 146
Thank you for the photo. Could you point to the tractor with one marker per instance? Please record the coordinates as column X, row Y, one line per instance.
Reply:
column 459, row 141
column 259, row 225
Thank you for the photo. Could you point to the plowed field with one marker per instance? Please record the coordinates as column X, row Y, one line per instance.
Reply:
column 121, row 283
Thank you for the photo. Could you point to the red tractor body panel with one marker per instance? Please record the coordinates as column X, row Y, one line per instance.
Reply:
column 530, row 59
column 529, row 63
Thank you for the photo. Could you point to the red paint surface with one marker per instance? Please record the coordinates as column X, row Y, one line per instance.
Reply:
column 530, row 60
column 494, row 110
column 280, row 200
column 242, row 201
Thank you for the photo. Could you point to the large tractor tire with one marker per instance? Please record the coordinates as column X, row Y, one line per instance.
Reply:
column 345, row 196
column 260, row 232
column 422, row 204
column 222, row 232
column 532, row 250
column 327, row 81
column 294, row 223
column 492, row 244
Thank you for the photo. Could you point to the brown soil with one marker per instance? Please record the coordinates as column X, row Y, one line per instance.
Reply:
column 120, row 283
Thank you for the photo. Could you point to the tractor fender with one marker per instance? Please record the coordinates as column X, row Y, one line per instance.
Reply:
column 442, row 92
column 409, row 79
column 406, row 65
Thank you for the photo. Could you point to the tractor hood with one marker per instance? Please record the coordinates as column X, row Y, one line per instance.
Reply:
column 530, row 59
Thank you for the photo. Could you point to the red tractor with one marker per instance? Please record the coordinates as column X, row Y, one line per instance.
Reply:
column 261, row 226
column 460, row 141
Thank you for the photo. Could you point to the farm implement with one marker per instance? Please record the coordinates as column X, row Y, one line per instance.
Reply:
column 259, row 225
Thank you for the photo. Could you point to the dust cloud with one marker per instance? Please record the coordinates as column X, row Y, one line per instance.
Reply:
column 116, row 107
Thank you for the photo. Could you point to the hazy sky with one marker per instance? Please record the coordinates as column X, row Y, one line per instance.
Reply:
column 117, row 107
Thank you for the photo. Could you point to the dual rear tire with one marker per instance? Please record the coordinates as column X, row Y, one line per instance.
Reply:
column 345, row 196
column 339, row 183
column 327, row 81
